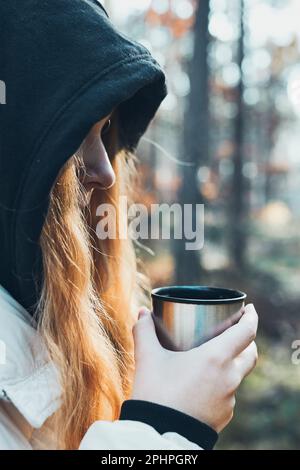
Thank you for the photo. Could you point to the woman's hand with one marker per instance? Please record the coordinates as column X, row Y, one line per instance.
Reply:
column 201, row 382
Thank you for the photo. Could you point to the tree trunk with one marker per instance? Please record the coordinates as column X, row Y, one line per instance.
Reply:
column 195, row 142
column 238, row 207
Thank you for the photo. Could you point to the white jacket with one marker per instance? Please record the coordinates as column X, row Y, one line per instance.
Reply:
column 30, row 393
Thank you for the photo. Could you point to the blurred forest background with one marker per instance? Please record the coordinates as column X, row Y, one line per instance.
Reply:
column 233, row 110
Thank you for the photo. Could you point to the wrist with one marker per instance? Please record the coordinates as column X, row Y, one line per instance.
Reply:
column 166, row 419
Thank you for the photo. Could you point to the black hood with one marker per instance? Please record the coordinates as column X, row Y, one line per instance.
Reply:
column 65, row 67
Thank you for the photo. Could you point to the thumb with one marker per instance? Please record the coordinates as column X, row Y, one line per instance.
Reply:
column 144, row 334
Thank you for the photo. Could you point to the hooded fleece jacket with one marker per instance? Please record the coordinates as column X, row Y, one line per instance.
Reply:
column 64, row 67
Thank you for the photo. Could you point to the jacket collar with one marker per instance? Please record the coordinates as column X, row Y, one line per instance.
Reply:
column 27, row 377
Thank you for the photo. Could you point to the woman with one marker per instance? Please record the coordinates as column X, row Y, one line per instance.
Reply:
column 78, row 369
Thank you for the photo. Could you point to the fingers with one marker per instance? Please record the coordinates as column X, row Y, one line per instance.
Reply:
column 145, row 339
column 238, row 337
column 247, row 360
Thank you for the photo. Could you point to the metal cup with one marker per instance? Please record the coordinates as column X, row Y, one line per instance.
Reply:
column 187, row 316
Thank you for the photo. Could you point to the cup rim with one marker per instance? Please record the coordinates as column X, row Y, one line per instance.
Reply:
column 236, row 295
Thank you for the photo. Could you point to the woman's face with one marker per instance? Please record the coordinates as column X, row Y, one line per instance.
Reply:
column 98, row 168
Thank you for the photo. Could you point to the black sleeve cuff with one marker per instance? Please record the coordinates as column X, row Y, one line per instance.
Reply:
column 165, row 419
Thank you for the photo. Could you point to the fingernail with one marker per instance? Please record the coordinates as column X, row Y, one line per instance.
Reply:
column 144, row 311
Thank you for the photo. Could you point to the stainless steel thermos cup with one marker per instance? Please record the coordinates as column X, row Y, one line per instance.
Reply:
column 187, row 316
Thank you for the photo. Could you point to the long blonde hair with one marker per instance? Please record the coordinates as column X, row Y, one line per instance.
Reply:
column 88, row 305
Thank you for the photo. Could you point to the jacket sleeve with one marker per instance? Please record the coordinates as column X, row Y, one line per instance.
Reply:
column 149, row 426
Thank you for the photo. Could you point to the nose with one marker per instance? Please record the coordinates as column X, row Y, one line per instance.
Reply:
column 98, row 168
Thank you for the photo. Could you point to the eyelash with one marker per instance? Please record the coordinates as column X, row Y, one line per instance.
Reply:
column 106, row 127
